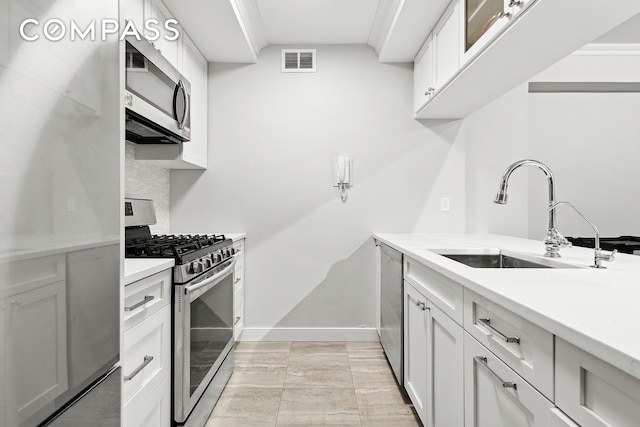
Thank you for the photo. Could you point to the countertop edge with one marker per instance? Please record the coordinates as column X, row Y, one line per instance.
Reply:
column 140, row 268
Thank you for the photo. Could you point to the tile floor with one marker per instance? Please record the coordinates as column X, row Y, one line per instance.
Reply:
column 312, row 383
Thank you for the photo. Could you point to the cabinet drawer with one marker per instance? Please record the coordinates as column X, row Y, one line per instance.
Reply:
column 146, row 297
column 238, row 245
column 529, row 351
column 488, row 403
column 146, row 340
column 442, row 291
column 22, row 276
column 238, row 272
column 593, row 392
column 154, row 412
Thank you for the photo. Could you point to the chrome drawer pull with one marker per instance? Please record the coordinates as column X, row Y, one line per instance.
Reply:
column 237, row 320
column 146, row 299
column 237, row 280
column 483, row 361
column 146, row 361
column 487, row 322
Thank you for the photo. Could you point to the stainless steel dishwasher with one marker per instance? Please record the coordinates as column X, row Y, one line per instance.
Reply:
column 391, row 311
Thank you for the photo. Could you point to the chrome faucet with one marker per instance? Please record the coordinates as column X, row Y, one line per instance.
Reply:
column 598, row 254
column 554, row 240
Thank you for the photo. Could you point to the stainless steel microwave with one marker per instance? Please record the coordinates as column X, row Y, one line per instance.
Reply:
column 157, row 97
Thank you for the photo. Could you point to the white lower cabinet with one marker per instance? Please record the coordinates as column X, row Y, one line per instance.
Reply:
column 155, row 411
column 146, row 361
column 433, row 373
column 593, row 392
column 238, row 289
column 495, row 396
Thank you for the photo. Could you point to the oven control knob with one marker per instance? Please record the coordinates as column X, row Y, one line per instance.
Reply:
column 207, row 263
column 218, row 257
column 232, row 251
column 196, row 267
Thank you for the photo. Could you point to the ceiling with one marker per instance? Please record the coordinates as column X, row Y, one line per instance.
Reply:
column 317, row 21
column 236, row 30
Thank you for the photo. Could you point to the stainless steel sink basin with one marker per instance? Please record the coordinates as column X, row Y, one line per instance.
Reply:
column 499, row 261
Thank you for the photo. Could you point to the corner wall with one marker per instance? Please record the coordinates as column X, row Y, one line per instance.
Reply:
column 310, row 258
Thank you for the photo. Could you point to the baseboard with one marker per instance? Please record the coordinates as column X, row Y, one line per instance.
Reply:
column 309, row 334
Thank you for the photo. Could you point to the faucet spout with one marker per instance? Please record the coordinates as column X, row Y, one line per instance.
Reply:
column 554, row 240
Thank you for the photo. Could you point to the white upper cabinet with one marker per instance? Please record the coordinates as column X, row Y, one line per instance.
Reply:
column 186, row 57
column 446, row 43
column 481, row 21
column 170, row 49
column 502, row 43
column 423, row 85
column 194, row 68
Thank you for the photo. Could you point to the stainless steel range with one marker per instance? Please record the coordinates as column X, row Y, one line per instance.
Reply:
column 202, row 309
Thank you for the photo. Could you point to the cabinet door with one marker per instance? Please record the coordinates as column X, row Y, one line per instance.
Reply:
column 423, row 75
column 133, row 10
column 495, row 396
column 415, row 349
column 446, row 45
column 593, row 392
column 155, row 411
column 33, row 380
column 194, row 68
column 482, row 21
column 170, row 49
column 146, row 361
column 446, row 392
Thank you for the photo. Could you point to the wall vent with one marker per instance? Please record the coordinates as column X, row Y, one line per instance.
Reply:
column 298, row 60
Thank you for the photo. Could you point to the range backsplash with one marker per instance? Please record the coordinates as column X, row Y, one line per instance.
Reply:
column 148, row 182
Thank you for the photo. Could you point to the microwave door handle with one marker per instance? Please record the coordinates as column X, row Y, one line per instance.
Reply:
column 187, row 105
column 180, row 88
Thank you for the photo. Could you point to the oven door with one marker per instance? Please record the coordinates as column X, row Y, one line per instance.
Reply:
column 203, row 334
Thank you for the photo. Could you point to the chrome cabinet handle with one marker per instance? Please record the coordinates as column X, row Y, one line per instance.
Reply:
column 487, row 322
column 422, row 305
column 237, row 320
column 429, row 91
column 513, row 3
column 146, row 299
column 483, row 361
column 145, row 362
column 504, row 15
column 237, row 280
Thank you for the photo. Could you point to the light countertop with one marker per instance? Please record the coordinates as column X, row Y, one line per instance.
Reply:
column 138, row 268
column 18, row 247
column 597, row 310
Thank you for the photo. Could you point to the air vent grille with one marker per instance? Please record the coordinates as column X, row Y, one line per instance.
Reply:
column 298, row 60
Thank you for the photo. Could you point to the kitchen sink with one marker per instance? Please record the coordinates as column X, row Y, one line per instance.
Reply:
column 501, row 261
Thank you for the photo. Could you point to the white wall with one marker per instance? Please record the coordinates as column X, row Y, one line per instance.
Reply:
column 310, row 257
column 590, row 142
column 496, row 137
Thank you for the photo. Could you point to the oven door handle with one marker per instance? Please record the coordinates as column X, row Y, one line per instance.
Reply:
column 211, row 281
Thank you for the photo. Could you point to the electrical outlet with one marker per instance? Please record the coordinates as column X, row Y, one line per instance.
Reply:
column 71, row 204
column 444, row 204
